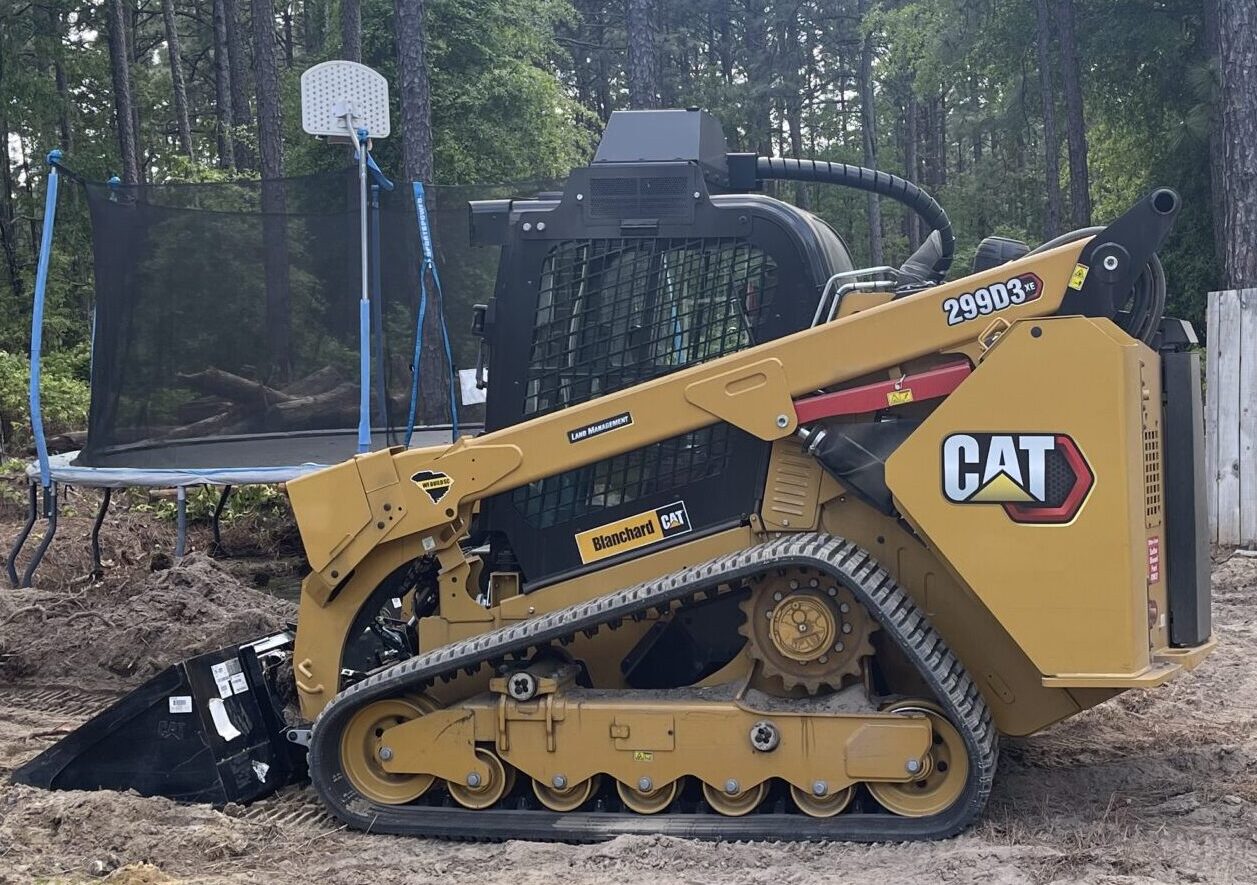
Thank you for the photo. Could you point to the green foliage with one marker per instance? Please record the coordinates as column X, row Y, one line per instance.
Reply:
column 519, row 89
column 254, row 502
column 64, row 397
column 498, row 111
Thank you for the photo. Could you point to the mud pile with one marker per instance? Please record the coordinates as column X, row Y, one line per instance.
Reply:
column 124, row 630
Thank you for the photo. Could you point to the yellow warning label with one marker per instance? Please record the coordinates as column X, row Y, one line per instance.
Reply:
column 643, row 756
column 633, row 532
column 899, row 397
column 1079, row 276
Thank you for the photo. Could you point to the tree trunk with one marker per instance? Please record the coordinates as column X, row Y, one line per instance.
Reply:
column 1237, row 60
column 222, row 89
column 643, row 72
column 792, row 100
column 133, row 46
column 180, row 90
column 124, row 111
column 934, row 141
column 56, row 50
column 725, row 50
column 1216, row 153
column 8, row 226
column 794, row 122
column 414, row 94
column 241, row 115
column 868, row 126
column 63, row 113
column 229, row 385
column 910, row 164
column 667, row 86
column 759, row 69
column 1076, row 125
column 415, row 102
column 313, row 24
column 602, row 82
column 274, row 225
column 1051, row 140
column 351, row 30
column 270, row 133
column 288, row 35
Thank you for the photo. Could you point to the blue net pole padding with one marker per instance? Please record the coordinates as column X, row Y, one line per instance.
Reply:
column 377, row 318
column 421, row 213
column 428, row 265
column 37, row 318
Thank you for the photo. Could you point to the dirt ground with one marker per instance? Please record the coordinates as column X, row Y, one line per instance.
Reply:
column 1155, row 787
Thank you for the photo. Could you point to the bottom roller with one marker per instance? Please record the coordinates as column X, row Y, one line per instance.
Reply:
column 209, row 729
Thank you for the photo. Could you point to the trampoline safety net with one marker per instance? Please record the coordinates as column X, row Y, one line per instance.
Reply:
column 226, row 325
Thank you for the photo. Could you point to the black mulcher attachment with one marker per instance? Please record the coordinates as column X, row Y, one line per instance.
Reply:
column 208, row 729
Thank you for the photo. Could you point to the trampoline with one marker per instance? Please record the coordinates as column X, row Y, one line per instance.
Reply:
column 226, row 345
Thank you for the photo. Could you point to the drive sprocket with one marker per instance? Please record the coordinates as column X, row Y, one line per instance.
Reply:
column 807, row 630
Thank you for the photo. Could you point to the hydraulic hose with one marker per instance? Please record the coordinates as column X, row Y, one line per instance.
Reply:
column 872, row 181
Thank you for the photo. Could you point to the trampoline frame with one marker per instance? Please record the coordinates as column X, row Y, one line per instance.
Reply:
column 62, row 472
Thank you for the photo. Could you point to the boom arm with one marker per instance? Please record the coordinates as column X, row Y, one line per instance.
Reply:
column 346, row 511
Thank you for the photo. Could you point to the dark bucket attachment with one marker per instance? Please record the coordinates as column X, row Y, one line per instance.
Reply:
column 208, row 729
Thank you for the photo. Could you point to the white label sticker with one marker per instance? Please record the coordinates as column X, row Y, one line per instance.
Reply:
column 222, row 722
column 472, row 394
column 223, row 674
column 239, row 684
column 180, row 703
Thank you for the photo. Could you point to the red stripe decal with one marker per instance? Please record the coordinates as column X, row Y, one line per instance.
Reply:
column 872, row 397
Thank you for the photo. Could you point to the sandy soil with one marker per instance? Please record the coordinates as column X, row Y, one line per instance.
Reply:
column 1156, row 787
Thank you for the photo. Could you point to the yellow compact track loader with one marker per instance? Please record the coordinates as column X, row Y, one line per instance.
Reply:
column 755, row 544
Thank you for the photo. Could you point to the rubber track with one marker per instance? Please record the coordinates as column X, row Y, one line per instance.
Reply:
column 890, row 605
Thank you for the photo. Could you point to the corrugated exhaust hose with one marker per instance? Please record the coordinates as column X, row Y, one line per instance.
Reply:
column 873, row 181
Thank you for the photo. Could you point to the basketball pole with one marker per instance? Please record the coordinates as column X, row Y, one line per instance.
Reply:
column 344, row 99
column 364, row 303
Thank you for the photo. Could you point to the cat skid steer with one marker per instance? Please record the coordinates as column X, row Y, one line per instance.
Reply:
column 755, row 544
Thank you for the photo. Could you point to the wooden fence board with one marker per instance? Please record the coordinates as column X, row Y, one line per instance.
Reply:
column 1227, row 383
column 1230, row 347
column 1248, row 415
column 1211, row 413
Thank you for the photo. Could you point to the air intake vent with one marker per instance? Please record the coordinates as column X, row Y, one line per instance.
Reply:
column 660, row 196
column 1152, row 476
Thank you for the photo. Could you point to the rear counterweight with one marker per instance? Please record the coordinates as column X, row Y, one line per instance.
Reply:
column 1186, row 539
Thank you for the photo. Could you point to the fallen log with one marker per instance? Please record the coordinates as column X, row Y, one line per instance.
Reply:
column 337, row 407
column 234, row 420
column 201, row 408
column 65, row 442
column 219, row 382
column 320, row 381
